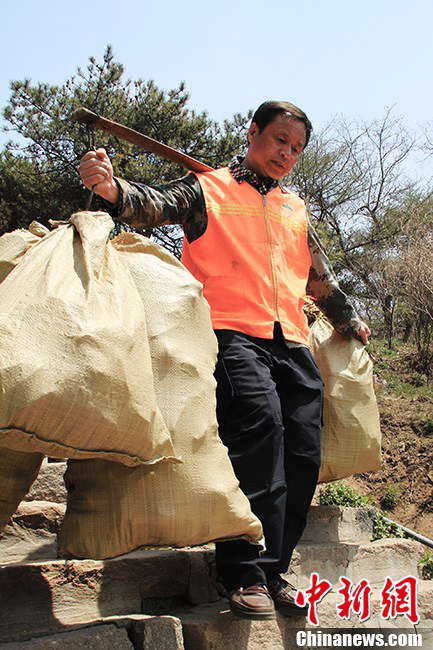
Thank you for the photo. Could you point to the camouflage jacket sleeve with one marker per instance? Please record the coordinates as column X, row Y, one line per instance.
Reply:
column 178, row 202
column 324, row 288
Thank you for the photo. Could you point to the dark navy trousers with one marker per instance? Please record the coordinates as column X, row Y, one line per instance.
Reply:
column 269, row 410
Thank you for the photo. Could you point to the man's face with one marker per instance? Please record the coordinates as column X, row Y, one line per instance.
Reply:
column 274, row 151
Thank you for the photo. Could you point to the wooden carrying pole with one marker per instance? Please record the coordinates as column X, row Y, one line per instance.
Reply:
column 84, row 116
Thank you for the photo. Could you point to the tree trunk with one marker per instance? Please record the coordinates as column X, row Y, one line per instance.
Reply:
column 388, row 306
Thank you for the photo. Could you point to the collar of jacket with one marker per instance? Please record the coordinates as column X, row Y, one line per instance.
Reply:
column 241, row 173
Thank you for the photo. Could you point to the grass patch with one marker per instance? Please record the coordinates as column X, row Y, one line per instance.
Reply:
column 390, row 497
column 426, row 565
column 338, row 494
column 383, row 529
column 404, row 388
column 396, row 368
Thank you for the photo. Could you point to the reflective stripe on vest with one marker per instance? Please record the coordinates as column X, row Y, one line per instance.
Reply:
column 253, row 258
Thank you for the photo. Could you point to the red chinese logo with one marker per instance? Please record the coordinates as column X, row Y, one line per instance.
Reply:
column 400, row 598
column 313, row 596
column 356, row 599
column 397, row 598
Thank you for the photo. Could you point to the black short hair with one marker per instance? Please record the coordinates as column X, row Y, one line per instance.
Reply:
column 267, row 111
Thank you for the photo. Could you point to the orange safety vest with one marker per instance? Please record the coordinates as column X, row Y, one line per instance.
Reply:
column 253, row 259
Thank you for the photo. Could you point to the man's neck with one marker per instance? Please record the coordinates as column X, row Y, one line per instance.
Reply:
column 242, row 172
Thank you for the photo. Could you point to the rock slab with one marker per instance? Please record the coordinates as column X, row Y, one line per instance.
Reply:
column 338, row 524
column 94, row 638
column 49, row 485
column 32, row 533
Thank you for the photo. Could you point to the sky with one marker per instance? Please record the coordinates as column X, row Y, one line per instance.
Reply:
column 331, row 58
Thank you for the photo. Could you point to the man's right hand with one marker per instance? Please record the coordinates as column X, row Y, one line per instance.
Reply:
column 96, row 173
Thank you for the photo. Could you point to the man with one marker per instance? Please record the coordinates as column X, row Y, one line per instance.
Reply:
column 247, row 239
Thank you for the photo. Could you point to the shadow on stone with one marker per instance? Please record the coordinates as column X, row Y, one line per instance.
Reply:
column 26, row 605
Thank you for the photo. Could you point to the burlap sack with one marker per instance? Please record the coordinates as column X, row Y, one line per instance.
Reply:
column 75, row 369
column 113, row 509
column 351, row 435
column 14, row 244
column 18, row 470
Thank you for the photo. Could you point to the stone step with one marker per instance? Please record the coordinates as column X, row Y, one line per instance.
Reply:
column 213, row 627
column 373, row 561
column 338, row 524
column 135, row 632
column 45, row 596
column 93, row 638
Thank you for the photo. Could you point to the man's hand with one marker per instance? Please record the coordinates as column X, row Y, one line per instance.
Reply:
column 96, row 173
column 364, row 333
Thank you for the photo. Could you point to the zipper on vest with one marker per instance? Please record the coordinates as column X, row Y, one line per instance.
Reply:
column 271, row 259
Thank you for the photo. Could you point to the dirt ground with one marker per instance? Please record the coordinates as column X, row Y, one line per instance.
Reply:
column 407, row 462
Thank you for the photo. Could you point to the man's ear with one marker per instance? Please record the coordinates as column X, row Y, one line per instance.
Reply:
column 252, row 131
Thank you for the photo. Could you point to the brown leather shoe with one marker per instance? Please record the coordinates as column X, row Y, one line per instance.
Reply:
column 283, row 595
column 252, row 602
